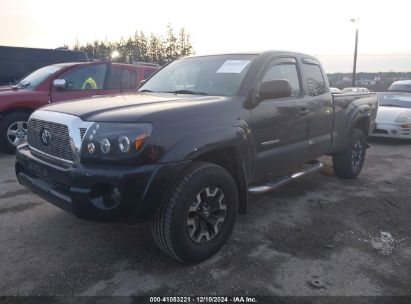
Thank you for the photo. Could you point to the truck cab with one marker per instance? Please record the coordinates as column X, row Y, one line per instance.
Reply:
column 186, row 149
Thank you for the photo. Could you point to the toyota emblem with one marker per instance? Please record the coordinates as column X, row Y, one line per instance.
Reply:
column 45, row 137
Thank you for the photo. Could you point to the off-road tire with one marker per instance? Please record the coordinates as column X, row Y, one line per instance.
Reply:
column 169, row 227
column 346, row 164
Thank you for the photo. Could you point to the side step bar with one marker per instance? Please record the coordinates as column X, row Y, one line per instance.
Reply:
column 270, row 186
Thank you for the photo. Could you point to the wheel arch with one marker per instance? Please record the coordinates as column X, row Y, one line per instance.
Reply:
column 26, row 110
column 230, row 159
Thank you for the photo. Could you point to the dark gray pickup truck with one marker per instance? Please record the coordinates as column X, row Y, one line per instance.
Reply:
column 188, row 147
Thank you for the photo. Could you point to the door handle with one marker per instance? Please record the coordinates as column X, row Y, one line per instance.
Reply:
column 304, row 111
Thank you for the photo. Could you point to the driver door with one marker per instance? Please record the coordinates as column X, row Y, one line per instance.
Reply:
column 280, row 126
column 83, row 82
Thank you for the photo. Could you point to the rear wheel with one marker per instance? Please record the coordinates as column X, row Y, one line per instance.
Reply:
column 199, row 214
column 349, row 163
column 13, row 131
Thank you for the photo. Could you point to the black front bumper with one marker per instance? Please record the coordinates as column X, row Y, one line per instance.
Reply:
column 85, row 190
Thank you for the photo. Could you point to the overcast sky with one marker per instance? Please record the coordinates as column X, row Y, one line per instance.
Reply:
column 317, row 27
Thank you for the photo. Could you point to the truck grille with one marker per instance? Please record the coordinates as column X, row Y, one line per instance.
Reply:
column 59, row 139
column 83, row 132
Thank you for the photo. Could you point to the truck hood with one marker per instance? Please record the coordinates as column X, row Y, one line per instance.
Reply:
column 128, row 107
column 389, row 114
column 8, row 89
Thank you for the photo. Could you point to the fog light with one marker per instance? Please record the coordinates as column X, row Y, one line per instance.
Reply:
column 394, row 132
column 124, row 144
column 105, row 145
column 112, row 199
column 91, row 148
column 116, row 196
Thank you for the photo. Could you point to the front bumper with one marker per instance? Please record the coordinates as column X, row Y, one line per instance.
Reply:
column 98, row 192
column 391, row 131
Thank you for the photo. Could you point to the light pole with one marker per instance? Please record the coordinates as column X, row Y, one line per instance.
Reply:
column 354, row 70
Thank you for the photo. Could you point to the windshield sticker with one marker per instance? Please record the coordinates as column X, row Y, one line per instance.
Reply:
column 233, row 66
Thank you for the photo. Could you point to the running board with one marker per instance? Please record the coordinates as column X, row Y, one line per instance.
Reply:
column 314, row 166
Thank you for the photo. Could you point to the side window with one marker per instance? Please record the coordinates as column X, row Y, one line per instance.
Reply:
column 129, row 79
column 286, row 71
column 86, row 78
column 315, row 80
column 148, row 72
column 114, row 78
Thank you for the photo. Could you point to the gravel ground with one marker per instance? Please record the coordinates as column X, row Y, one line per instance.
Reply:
column 317, row 236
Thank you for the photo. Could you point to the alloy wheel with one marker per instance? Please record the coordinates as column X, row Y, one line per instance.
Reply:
column 356, row 158
column 17, row 133
column 206, row 215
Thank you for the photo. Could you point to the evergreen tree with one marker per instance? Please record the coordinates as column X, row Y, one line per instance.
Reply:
column 140, row 48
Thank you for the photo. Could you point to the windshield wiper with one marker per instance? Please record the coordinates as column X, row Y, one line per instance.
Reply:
column 24, row 85
column 187, row 92
column 146, row 91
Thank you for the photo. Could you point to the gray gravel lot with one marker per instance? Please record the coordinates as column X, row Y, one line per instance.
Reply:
column 317, row 236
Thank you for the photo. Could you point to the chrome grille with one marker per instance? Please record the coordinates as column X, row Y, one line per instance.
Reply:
column 59, row 145
column 83, row 132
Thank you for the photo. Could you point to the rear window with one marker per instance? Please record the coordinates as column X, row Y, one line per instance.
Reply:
column 315, row 80
column 129, row 79
column 114, row 78
column 400, row 87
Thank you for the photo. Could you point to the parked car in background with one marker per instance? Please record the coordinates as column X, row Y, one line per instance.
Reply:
column 394, row 115
column 355, row 90
column 65, row 81
column 400, row 86
column 335, row 90
column 17, row 62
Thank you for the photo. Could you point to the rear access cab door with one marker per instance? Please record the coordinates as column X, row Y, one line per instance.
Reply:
column 320, row 107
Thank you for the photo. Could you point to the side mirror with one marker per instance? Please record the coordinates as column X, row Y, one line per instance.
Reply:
column 59, row 84
column 279, row 88
column 142, row 82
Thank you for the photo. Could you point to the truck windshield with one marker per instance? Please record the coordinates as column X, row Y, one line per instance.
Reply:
column 220, row 75
column 34, row 79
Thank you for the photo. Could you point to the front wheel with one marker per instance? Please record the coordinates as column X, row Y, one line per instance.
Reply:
column 13, row 131
column 349, row 163
column 199, row 215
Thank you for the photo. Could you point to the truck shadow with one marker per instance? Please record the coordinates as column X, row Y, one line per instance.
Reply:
column 389, row 141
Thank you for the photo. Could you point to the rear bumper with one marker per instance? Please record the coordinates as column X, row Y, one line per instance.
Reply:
column 391, row 131
column 98, row 192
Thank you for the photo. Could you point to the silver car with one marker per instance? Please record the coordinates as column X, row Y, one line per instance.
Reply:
column 394, row 115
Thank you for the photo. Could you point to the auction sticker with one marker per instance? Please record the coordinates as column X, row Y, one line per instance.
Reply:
column 233, row 66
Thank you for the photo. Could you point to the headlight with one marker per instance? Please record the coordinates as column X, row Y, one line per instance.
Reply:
column 404, row 118
column 114, row 141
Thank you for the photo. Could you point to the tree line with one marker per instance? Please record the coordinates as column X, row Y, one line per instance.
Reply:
column 378, row 82
column 139, row 47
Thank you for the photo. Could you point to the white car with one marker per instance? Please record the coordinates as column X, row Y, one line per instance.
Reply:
column 335, row 90
column 394, row 115
column 401, row 86
column 355, row 90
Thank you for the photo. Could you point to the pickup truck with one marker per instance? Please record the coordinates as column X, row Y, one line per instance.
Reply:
column 58, row 82
column 187, row 149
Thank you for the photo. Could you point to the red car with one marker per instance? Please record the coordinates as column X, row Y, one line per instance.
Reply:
column 58, row 82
